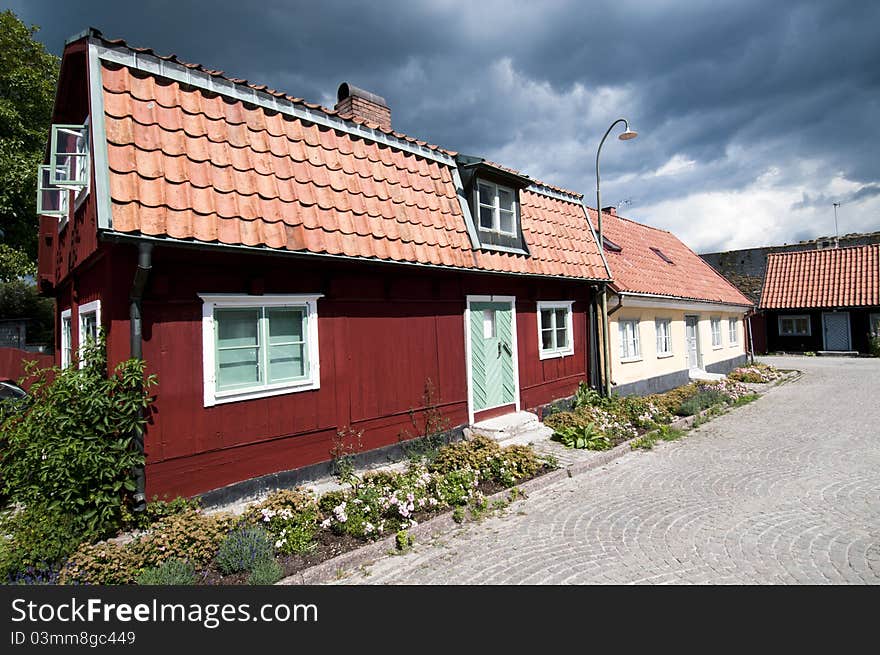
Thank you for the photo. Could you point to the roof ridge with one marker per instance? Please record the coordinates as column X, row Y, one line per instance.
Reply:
column 632, row 220
column 263, row 88
column 812, row 250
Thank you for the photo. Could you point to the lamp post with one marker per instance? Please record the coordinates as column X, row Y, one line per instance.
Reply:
column 626, row 135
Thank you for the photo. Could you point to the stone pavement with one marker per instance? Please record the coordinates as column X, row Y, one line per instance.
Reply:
column 785, row 490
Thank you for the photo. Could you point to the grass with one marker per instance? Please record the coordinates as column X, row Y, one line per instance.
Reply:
column 745, row 400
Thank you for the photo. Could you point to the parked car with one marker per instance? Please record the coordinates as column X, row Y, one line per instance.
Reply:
column 12, row 398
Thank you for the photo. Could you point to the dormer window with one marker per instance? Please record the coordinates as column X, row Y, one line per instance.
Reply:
column 662, row 255
column 610, row 245
column 497, row 208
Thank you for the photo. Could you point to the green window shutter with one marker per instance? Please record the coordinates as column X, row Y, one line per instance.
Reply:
column 288, row 353
column 238, row 348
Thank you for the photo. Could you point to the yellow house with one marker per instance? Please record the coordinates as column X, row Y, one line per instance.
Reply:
column 671, row 317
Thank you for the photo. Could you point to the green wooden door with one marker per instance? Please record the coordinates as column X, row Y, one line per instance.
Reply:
column 492, row 364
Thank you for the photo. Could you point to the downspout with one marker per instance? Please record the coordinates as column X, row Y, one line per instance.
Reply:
column 139, row 283
column 608, row 336
column 593, row 354
column 751, row 341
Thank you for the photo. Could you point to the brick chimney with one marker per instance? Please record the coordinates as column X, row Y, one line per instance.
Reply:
column 611, row 210
column 363, row 104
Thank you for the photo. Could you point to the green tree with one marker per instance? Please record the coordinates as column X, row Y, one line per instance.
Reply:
column 28, row 75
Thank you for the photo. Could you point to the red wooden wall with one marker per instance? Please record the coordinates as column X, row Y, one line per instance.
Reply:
column 12, row 362
column 384, row 332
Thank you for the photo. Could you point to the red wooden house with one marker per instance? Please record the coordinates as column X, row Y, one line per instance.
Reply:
column 291, row 271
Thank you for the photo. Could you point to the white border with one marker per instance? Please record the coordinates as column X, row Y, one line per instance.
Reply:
column 671, row 351
column 66, row 342
column 733, row 343
column 93, row 307
column 211, row 301
column 809, row 331
column 558, row 352
column 712, row 333
column 467, row 350
column 848, row 331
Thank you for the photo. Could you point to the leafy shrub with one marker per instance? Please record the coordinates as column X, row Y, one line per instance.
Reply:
column 456, row 488
column 69, row 457
column 39, row 536
column 329, row 500
column 190, row 535
column 561, row 420
column 265, row 572
column 242, row 548
column 103, row 563
column 874, row 346
column 645, row 442
column 170, row 572
column 522, row 461
column 291, row 517
column 582, row 436
column 472, row 453
column 702, row 400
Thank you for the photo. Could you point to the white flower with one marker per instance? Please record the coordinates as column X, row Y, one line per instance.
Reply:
column 326, row 522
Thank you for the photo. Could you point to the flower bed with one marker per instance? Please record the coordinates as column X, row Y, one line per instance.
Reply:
column 293, row 529
column 756, row 374
column 600, row 423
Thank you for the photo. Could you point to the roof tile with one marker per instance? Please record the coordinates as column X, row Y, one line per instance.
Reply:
column 835, row 277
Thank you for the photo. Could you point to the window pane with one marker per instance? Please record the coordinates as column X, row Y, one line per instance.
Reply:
column 487, row 218
column 236, row 327
column 238, row 367
column 546, row 319
column 801, row 325
column 287, row 362
column 89, row 326
column 547, row 339
column 487, row 194
column 488, row 323
column 285, row 325
column 561, row 338
column 506, row 222
column 505, row 199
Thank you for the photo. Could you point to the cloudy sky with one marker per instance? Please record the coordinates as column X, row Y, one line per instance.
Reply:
column 754, row 116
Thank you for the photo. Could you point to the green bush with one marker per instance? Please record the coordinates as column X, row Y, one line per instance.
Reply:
column 874, row 346
column 242, row 548
column 456, row 488
column 472, row 453
column 69, row 457
column 702, row 400
column 292, row 518
column 582, row 436
column 38, row 536
column 265, row 572
column 522, row 461
column 103, row 563
column 189, row 535
column 170, row 572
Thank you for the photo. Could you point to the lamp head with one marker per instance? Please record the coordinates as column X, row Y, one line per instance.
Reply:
column 628, row 134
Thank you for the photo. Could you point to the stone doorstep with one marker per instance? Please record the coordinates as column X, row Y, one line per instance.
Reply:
column 443, row 524
column 837, row 353
column 514, row 428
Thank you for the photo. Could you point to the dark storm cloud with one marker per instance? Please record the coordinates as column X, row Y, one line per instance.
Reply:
column 728, row 97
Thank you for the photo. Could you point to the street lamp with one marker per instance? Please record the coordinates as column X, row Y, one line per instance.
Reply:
column 626, row 135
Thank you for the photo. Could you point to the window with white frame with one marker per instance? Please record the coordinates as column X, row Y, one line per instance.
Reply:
column 554, row 329
column 496, row 208
column 70, row 156
column 715, row 323
column 664, row 337
column 794, row 325
column 257, row 346
column 89, row 324
column 629, row 340
column 51, row 198
column 66, row 338
column 732, row 331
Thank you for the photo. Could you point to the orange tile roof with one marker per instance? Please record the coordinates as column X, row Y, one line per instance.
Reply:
column 637, row 269
column 835, row 277
column 189, row 164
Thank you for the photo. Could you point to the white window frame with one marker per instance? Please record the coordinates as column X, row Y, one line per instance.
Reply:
column 550, row 353
column 715, row 322
column 210, row 302
column 793, row 318
column 496, row 208
column 667, row 350
column 66, row 338
column 82, row 311
column 625, row 355
column 733, row 331
column 63, row 196
column 81, row 154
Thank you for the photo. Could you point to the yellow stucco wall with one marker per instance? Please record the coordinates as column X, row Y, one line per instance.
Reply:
column 648, row 364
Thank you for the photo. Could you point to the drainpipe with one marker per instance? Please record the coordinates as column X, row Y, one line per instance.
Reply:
column 751, row 341
column 593, row 354
column 142, row 272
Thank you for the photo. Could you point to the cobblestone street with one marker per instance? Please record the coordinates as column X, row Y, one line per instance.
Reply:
column 784, row 490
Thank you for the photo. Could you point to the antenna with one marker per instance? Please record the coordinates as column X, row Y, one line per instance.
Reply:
column 836, row 232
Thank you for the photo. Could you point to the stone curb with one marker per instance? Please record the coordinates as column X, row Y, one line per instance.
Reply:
column 444, row 524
